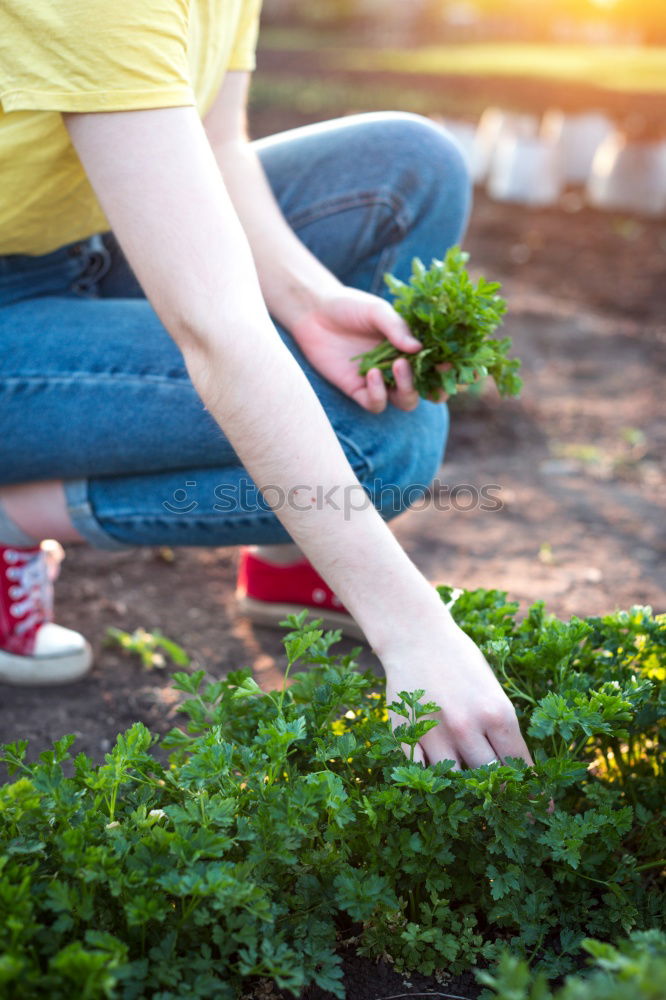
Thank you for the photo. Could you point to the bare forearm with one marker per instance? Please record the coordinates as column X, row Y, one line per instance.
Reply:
column 330, row 323
column 292, row 279
column 284, row 439
column 195, row 264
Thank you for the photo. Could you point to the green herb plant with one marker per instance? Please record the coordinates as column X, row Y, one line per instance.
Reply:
column 152, row 648
column 634, row 968
column 289, row 825
column 453, row 319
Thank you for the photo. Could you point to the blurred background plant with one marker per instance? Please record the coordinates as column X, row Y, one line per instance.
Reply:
column 540, row 96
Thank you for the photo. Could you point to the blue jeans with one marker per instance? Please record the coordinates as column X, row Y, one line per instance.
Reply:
column 94, row 391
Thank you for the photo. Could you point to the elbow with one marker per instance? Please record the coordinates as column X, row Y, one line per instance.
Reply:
column 196, row 343
column 200, row 356
column 190, row 332
column 188, row 318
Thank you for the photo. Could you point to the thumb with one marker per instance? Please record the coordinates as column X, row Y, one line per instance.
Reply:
column 385, row 319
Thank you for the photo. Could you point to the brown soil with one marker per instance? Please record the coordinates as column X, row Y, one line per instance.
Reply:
column 368, row 980
column 577, row 462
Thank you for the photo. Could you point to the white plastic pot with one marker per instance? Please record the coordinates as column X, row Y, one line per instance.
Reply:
column 494, row 126
column 526, row 171
column 629, row 176
column 577, row 137
column 464, row 134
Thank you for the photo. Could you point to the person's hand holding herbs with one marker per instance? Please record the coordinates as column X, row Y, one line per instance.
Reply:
column 434, row 339
column 348, row 322
column 453, row 320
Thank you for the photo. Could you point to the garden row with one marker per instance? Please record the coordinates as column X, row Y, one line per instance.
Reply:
column 288, row 823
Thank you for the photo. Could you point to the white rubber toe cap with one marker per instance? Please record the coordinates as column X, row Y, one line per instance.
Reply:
column 60, row 657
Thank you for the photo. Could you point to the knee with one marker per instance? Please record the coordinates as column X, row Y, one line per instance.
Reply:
column 408, row 452
column 426, row 179
column 426, row 159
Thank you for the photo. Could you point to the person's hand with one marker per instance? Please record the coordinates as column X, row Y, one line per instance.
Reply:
column 477, row 722
column 350, row 323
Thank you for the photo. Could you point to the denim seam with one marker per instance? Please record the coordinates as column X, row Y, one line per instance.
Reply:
column 343, row 203
column 362, row 199
column 85, row 377
column 131, row 520
column 46, row 270
column 126, row 518
column 385, row 265
column 355, row 450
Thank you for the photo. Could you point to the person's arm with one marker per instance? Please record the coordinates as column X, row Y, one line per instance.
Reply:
column 159, row 184
column 330, row 321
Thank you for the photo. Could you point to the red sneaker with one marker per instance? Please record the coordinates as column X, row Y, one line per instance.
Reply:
column 266, row 593
column 33, row 650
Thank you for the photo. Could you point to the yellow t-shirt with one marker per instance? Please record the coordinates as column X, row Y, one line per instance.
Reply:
column 97, row 55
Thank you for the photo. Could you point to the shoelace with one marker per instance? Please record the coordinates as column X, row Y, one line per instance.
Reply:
column 30, row 589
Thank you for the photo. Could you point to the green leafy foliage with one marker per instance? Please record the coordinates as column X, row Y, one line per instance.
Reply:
column 288, row 822
column 152, row 648
column 453, row 319
column 636, row 968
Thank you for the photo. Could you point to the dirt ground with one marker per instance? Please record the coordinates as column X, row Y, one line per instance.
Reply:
column 576, row 462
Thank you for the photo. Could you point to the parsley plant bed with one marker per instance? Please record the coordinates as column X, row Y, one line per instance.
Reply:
column 290, row 822
column 635, row 968
column 453, row 319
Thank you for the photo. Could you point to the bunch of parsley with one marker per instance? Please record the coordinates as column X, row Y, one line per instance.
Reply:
column 453, row 319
